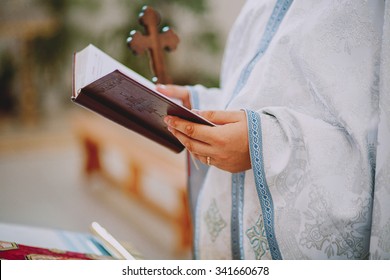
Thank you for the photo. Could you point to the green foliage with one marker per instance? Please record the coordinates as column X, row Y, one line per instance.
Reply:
column 50, row 53
column 210, row 40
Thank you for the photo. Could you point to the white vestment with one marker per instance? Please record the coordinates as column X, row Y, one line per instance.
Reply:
column 314, row 79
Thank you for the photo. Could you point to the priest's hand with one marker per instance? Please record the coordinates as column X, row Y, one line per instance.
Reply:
column 224, row 146
column 178, row 92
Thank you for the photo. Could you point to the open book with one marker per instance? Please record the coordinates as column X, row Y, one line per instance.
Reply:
column 105, row 86
column 28, row 242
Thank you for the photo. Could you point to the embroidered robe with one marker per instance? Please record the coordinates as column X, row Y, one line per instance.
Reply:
column 314, row 80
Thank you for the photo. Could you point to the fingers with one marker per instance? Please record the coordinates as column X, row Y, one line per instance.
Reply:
column 202, row 133
column 224, row 146
column 172, row 90
column 178, row 92
column 197, row 148
column 223, row 117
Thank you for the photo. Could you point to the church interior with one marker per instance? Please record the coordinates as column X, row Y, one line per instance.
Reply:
column 63, row 167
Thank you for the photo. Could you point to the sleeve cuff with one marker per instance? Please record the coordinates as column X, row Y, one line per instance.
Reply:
column 194, row 97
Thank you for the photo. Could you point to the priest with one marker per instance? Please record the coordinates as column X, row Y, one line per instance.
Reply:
column 299, row 159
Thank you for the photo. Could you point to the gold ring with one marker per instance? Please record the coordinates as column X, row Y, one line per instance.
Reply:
column 208, row 161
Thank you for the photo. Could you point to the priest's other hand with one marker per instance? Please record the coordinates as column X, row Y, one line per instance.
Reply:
column 224, row 146
column 174, row 91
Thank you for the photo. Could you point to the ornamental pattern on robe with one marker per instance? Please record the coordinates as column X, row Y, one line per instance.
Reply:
column 214, row 221
column 258, row 238
column 314, row 79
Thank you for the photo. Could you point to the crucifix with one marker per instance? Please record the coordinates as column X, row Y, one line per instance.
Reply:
column 154, row 42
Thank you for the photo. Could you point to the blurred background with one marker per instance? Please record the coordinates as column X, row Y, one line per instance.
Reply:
column 63, row 167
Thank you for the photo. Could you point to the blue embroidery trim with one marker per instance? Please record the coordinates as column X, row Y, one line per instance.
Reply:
column 194, row 99
column 280, row 10
column 196, row 230
column 267, row 207
column 238, row 180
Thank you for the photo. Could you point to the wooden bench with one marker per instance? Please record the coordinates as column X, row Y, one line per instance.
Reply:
column 140, row 158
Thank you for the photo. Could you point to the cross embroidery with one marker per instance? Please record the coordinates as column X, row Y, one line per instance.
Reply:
column 258, row 238
column 214, row 221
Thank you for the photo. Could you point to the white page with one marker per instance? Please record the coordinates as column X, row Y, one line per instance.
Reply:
column 92, row 64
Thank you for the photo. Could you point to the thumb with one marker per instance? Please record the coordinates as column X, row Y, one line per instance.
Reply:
column 223, row 117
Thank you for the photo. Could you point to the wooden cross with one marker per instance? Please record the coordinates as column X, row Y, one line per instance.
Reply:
column 154, row 42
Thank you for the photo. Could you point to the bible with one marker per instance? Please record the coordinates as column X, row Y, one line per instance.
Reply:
column 107, row 87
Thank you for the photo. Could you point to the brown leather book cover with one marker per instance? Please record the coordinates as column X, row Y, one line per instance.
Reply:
column 135, row 106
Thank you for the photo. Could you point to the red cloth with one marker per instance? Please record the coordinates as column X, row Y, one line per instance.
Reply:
column 14, row 251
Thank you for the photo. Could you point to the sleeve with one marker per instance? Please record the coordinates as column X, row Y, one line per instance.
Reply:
column 307, row 176
column 380, row 231
column 203, row 98
column 323, row 188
